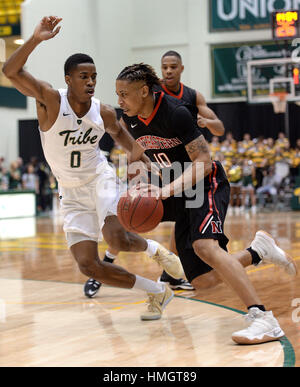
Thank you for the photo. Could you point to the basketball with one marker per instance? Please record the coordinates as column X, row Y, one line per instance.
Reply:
column 139, row 213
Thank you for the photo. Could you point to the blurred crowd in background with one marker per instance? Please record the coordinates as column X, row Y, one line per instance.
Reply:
column 34, row 176
column 262, row 173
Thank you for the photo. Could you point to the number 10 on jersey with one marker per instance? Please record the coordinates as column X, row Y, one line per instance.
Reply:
column 163, row 160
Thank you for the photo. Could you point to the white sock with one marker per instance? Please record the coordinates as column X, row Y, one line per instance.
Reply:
column 149, row 286
column 110, row 255
column 152, row 247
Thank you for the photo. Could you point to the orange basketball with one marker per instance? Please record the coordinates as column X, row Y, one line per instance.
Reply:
column 140, row 213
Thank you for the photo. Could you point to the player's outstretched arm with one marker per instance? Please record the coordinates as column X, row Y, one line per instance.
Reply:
column 14, row 66
column 207, row 118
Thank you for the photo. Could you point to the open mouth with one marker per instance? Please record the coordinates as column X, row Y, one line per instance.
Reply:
column 90, row 92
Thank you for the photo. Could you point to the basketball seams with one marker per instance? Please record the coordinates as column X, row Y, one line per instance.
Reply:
column 149, row 216
column 134, row 209
column 141, row 214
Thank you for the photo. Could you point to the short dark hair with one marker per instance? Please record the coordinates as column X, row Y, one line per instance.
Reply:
column 140, row 72
column 172, row 53
column 75, row 60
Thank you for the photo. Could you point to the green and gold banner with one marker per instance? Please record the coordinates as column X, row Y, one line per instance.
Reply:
column 246, row 14
column 229, row 63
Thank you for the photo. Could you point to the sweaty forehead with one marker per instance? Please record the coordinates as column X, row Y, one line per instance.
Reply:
column 170, row 60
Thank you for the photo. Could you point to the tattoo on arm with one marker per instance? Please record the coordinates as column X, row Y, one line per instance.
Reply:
column 199, row 145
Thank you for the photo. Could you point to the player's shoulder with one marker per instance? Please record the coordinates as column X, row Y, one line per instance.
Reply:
column 189, row 89
column 107, row 110
column 176, row 106
column 108, row 113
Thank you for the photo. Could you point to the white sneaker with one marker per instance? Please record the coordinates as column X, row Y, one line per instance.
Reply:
column 169, row 262
column 263, row 327
column 157, row 303
column 268, row 251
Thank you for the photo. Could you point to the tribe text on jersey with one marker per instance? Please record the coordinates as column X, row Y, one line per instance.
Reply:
column 71, row 145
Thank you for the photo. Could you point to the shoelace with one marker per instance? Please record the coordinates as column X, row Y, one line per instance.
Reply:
column 150, row 304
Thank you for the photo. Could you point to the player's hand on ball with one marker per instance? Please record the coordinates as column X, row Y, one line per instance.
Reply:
column 147, row 190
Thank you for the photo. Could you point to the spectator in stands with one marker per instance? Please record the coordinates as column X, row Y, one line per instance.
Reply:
column 268, row 188
column 282, row 140
column 231, row 140
column 14, row 176
column 248, row 172
column 235, row 180
column 30, row 179
column 214, row 146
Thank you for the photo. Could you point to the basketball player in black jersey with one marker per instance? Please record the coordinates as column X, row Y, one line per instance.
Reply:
column 171, row 70
column 166, row 130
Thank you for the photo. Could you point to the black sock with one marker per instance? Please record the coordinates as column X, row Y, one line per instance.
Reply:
column 109, row 260
column 260, row 307
column 255, row 256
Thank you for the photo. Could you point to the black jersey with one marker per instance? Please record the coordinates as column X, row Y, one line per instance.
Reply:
column 184, row 93
column 166, row 132
column 187, row 95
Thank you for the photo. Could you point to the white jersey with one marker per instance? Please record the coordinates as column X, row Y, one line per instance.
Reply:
column 71, row 145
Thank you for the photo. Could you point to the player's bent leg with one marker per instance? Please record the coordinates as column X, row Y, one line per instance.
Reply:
column 262, row 325
column 211, row 279
column 121, row 240
column 92, row 287
column 159, row 294
column 229, row 269
column 86, row 255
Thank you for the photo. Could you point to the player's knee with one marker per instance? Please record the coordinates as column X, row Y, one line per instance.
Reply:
column 88, row 267
column 203, row 248
column 119, row 240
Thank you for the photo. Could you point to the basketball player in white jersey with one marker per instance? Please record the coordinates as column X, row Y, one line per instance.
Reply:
column 71, row 124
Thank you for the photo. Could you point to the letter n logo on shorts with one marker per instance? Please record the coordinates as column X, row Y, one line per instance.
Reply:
column 216, row 227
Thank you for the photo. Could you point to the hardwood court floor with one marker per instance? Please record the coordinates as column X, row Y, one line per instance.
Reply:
column 46, row 321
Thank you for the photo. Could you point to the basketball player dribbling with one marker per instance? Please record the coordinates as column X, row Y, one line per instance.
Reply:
column 171, row 70
column 71, row 124
column 167, row 131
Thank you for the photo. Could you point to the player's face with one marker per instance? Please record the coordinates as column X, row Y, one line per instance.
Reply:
column 131, row 96
column 82, row 81
column 171, row 69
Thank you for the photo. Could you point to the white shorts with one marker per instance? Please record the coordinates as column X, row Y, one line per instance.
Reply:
column 85, row 208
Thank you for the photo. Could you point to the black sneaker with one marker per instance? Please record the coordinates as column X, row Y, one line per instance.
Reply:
column 91, row 287
column 175, row 284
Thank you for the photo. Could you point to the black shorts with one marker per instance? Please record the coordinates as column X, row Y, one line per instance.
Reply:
column 206, row 222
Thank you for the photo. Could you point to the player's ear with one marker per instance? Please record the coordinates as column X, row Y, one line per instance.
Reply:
column 67, row 79
column 182, row 68
column 145, row 91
